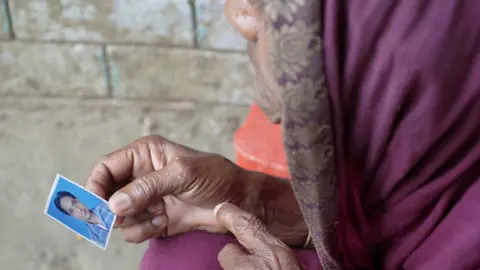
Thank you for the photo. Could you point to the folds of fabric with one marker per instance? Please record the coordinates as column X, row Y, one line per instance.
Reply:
column 382, row 126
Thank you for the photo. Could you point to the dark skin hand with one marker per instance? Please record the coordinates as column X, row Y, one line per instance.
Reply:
column 160, row 188
column 259, row 250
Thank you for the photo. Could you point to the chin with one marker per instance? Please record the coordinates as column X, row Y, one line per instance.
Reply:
column 276, row 120
column 266, row 100
column 274, row 116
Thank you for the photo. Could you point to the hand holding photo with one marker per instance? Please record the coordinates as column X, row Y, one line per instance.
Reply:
column 81, row 211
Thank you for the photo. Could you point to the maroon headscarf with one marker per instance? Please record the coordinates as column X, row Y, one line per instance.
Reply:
column 382, row 128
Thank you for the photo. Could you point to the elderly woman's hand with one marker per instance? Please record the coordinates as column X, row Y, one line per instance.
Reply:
column 260, row 249
column 159, row 188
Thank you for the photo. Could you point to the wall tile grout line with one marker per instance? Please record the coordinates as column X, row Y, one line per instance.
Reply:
column 8, row 18
column 117, row 101
column 49, row 58
column 126, row 44
column 193, row 10
column 107, row 71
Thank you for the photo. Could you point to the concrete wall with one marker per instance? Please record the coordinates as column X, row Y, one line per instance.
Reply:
column 80, row 78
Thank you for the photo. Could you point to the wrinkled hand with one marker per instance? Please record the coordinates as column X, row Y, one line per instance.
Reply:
column 153, row 182
column 160, row 188
column 260, row 249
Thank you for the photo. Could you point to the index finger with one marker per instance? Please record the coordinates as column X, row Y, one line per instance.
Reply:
column 114, row 168
column 247, row 228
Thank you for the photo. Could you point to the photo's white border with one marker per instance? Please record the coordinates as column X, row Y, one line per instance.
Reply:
column 52, row 191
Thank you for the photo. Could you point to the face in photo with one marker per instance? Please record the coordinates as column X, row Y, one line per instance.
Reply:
column 81, row 211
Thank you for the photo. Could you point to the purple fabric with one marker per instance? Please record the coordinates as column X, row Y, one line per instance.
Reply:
column 403, row 83
column 198, row 251
column 404, row 78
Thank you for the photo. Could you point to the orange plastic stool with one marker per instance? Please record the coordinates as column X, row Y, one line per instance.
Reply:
column 259, row 145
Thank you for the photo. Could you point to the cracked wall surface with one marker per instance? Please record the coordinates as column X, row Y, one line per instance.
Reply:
column 80, row 78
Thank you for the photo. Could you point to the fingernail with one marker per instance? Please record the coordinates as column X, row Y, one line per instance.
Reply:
column 215, row 210
column 158, row 221
column 156, row 208
column 120, row 202
column 119, row 221
column 152, row 209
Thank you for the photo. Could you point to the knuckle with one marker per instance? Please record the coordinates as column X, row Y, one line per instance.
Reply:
column 227, row 252
column 246, row 224
column 183, row 167
column 147, row 139
column 182, row 162
column 101, row 162
column 147, row 142
column 278, row 257
column 256, row 223
column 249, row 263
column 101, row 169
column 132, row 154
column 284, row 257
column 239, row 223
column 198, row 166
column 144, row 187
column 133, row 238
column 218, row 161
column 276, row 243
column 139, row 233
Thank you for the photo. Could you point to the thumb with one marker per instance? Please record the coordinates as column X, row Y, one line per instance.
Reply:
column 137, row 195
column 244, row 226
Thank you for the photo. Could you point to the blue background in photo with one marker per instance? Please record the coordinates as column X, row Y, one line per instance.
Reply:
column 84, row 196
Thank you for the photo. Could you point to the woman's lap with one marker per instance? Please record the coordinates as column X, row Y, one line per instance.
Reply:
column 198, row 251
